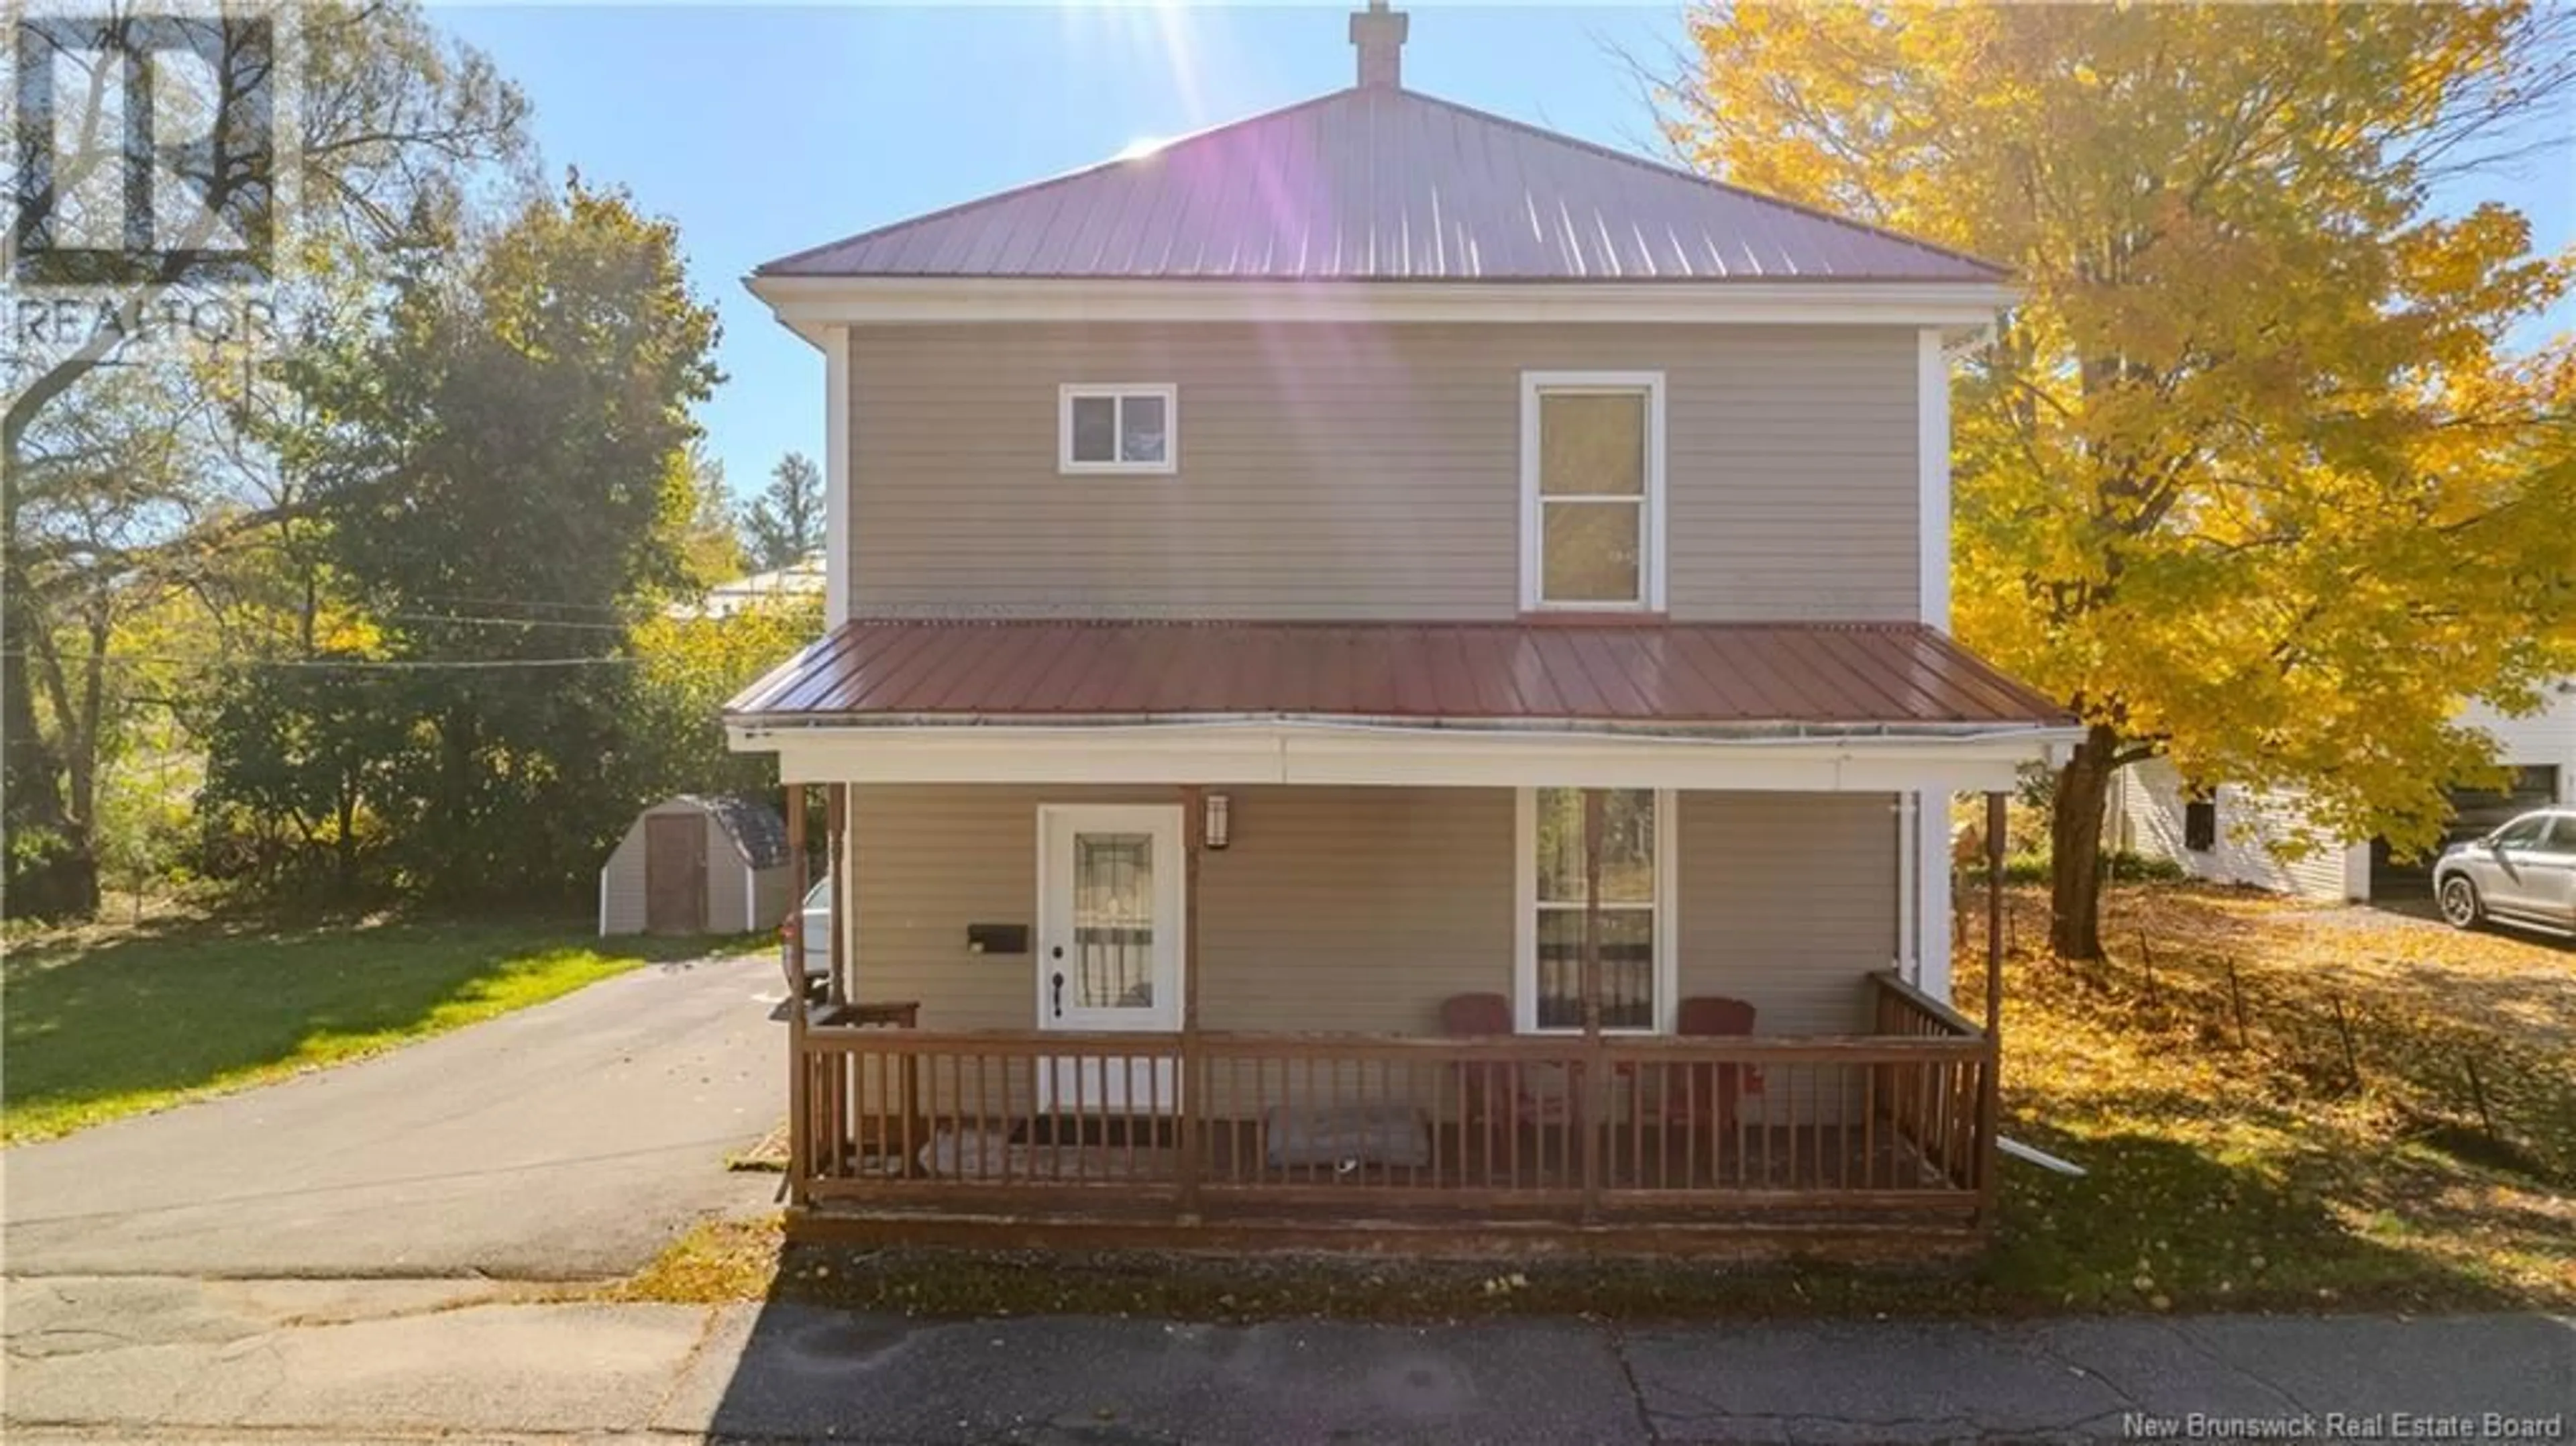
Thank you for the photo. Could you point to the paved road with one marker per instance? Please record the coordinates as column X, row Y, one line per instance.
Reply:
column 350, row 1361
column 572, row 1139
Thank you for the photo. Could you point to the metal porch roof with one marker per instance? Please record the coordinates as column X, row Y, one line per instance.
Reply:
column 1380, row 184
column 1709, row 676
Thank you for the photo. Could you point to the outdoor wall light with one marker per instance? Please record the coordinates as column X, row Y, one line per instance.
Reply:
column 1216, row 822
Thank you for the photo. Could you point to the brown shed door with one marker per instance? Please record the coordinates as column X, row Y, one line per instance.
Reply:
column 675, row 874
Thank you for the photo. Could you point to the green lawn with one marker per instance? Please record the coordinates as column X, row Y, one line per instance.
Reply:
column 108, row 1022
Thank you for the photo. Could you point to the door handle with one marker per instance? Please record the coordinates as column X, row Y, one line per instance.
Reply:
column 1057, row 991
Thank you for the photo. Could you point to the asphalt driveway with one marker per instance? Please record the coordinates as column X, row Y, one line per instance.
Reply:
column 572, row 1139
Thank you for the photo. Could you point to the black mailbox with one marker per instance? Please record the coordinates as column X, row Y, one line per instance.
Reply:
column 998, row 938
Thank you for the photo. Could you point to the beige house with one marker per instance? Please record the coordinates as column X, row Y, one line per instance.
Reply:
column 1387, row 679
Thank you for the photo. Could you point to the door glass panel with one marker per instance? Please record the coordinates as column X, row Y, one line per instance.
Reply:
column 1113, row 921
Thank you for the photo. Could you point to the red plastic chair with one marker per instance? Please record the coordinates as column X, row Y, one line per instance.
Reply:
column 1484, row 1086
column 1709, row 1092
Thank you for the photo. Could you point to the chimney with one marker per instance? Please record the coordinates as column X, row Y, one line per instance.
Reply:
column 1379, row 35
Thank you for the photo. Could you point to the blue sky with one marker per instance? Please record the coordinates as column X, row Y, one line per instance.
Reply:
column 764, row 131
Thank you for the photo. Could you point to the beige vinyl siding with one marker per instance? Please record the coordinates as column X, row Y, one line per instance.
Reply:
column 1787, row 900
column 1333, row 471
column 1361, row 909
column 1336, row 909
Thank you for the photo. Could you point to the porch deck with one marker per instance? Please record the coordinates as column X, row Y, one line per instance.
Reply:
column 1189, row 1131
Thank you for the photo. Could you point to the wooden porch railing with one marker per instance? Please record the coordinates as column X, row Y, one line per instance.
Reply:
column 1549, row 1128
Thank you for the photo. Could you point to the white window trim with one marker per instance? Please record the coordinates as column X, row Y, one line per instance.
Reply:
column 1064, row 397
column 1650, row 555
column 1525, row 914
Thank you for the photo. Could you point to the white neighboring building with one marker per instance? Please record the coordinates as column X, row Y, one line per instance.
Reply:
column 2226, row 837
column 799, row 579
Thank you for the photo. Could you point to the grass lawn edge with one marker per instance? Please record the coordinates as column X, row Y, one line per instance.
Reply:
column 514, row 973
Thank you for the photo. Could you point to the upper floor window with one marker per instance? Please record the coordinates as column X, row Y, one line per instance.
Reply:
column 1592, row 491
column 1127, row 427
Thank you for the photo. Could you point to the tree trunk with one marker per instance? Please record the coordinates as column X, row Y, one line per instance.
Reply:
column 51, row 873
column 2075, row 846
column 52, row 866
column 345, row 846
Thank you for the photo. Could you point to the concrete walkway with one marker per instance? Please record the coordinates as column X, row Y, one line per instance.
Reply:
column 571, row 1139
column 94, row 1359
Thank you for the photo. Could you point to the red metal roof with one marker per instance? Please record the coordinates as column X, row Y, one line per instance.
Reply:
column 1710, row 675
column 1380, row 184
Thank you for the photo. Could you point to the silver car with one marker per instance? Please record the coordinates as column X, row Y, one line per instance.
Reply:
column 2523, row 873
column 818, row 936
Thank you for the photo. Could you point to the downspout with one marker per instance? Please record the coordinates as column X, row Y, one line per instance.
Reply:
column 800, row 1113
column 1186, row 1108
column 1592, row 1075
column 837, row 822
column 1908, row 925
column 1990, row 1080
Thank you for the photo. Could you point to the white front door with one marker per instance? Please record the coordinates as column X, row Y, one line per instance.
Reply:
column 1109, row 949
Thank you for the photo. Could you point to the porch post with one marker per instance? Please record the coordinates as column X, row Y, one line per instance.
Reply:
column 836, row 829
column 1990, row 1080
column 1591, row 1077
column 800, row 1120
column 1186, row 1108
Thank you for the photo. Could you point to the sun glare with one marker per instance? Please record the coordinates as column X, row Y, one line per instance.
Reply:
column 1139, row 148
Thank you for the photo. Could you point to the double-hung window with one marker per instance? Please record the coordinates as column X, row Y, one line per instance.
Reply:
column 1126, row 427
column 1592, row 491
column 1634, row 920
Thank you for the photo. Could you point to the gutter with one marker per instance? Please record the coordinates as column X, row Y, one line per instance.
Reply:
column 759, row 725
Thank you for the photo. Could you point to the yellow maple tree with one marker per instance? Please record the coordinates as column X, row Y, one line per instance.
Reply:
column 2252, row 475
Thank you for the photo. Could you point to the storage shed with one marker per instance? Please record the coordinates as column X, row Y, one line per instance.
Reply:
column 698, row 865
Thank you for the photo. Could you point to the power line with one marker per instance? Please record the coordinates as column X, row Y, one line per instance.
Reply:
column 512, row 602
column 504, row 622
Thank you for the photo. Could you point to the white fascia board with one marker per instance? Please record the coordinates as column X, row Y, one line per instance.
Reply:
column 1932, row 482
column 1241, row 755
column 810, row 303
column 836, row 476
